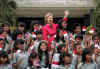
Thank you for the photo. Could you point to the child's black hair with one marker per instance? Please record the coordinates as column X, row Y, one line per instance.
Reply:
column 38, row 32
column 61, row 62
column 22, row 24
column 58, row 37
column 77, row 44
column 32, row 25
column 60, row 24
column 4, row 54
column 95, row 36
column 7, row 24
column 86, row 51
column 60, row 46
column 15, row 34
column 79, row 36
column 32, row 56
column 18, row 41
column 76, row 25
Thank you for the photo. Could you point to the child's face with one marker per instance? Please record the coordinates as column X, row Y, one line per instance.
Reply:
column 4, row 34
column 96, row 39
column 79, row 49
column 39, row 36
column 36, row 61
column 67, row 60
column 1, row 42
column 78, row 30
column 63, row 49
column 61, row 33
column 43, row 47
column 78, row 40
column 64, row 25
column 20, row 46
column 88, row 57
column 21, row 28
column 96, row 51
column 6, row 28
column 3, row 60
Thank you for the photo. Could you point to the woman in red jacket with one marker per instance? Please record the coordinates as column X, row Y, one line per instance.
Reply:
column 49, row 29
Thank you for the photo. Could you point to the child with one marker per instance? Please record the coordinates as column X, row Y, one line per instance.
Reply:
column 38, row 39
column 6, row 27
column 59, row 38
column 87, row 60
column 33, row 61
column 65, row 61
column 79, row 40
column 96, row 56
column 77, row 57
column 2, row 44
column 43, row 54
column 61, row 48
column 20, row 56
column 4, row 61
column 96, row 41
column 21, row 29
column 77, row 29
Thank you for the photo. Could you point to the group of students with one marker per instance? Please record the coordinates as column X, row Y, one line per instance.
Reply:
column 49, row 46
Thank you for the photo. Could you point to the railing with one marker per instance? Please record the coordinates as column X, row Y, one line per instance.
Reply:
column 55, row 3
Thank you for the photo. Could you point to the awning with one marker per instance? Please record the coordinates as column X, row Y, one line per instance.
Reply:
column 38, row 8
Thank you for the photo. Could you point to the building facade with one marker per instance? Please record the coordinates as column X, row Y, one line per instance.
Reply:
column 37, row 9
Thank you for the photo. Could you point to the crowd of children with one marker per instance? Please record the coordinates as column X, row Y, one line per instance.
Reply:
column 49, row 46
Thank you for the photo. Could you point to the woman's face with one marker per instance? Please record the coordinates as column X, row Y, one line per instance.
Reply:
column 3, row 60
column 49, row 19
column 43, row 47
column 67, row 60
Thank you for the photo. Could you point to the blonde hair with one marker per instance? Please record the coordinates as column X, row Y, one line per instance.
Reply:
column 47, row 15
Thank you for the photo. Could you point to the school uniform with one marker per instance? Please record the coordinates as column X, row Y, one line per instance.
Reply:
column 57, row 43
column 55, row 61
column 87, row 66
column 32, row 67
column 6, row 66
column 36, row 45
column 97, row 61
column 43, row 60
column 63, row 67
column 74, row 58
column 24, row 56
